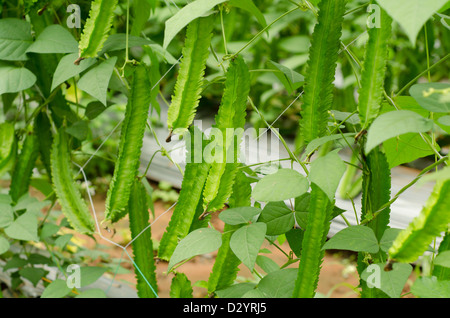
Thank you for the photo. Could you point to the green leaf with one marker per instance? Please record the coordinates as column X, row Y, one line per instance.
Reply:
column 445, row 120
column 267, row 264
column 249, row 6
column 6, row 215
column 239, row 215
column 90, row 274
column 79, row 130
column 33, row 274
column 38, row 259
column 181, row 287
column 15, row 79
column 29, row 203
column 390, row 282
column 355, row 238
column 283, row 185
column 96, row 81
column 316, row 143
column 430, row 287
column 15, row 262
column 279, row 284
column 443, row 259
column 288, row 77
column 246, row 242
column 24, row 228
column 326, row 172
column 118, row 41
column 43, row 186
column 63, row 240
column 15, row 38
column 92, row 293
column 201, row 241
column 66, row 69
column 235, row 291
column 388, row 238
column 406, row 148
column 295, row 44
column 411, row 14
column 393, row 124
column 278, row 218
column 254, row 293
column 54, row 39
column 295, row 239
column 48, row 230
column 4, row 245
column 184, row 16
column 141, row 13
column 57, row 289
column 434, row 97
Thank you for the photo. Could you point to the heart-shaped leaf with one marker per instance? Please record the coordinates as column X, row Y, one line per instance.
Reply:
column 54, row 39
column 92, row 293
column 356, row 238
column 282, row 185
column 246, row 242
column 443, row 259
column 430, row 287
column 412, row 14
column 4, row 245
column 15, row 79
column 66, row 69
column 326, row 172
column 393, row 124
column 239, row 215
column 24, row 228
column 15, row 38
column 279, row 284
column 187, row 14
column 57, row 289
column 278, row 218
column 96, row 81
column 390, row 282
column 434, row 97
column 201, row 241
column 388, row 238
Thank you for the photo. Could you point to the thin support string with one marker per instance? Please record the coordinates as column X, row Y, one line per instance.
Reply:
column 143, row 276
column 284, row 111
column 114, row 243
column 150, row 225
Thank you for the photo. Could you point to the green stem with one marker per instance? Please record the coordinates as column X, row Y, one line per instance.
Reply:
column 415, row 79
